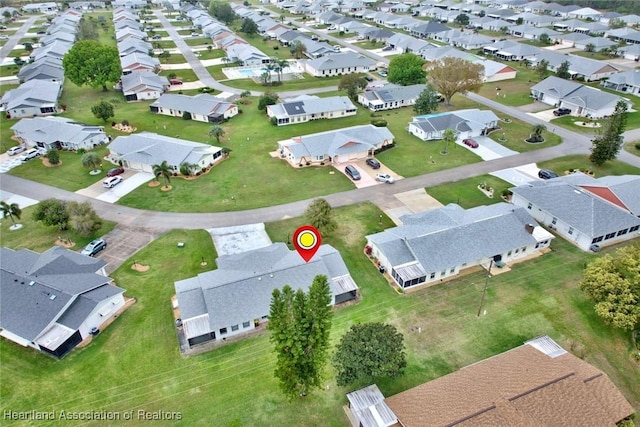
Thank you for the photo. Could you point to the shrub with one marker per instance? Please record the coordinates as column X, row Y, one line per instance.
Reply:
column 125, row 123
column 81, row 151
column 53, row 156
column 239, row 110
column 637, row 145
column 186, row 115
column 380, row 123
column 274, row 120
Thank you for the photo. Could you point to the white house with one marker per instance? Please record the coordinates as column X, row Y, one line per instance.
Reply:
column 141, row 151
column 305, row 108
column 583, row 210
column 203, row 107
column 465, row 123
column 143, row 85
column 440, row 243
column 390, row 96
column 335, row 146
column 32, row 98
column 60, row 133
column 339, row 64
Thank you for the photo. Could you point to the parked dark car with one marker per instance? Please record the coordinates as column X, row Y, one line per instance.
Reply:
column 368, row 78
column 352, row 172
column 561, row 112
column 470, row 142
column 373, row 163
column 547, row 174
column 115, row 171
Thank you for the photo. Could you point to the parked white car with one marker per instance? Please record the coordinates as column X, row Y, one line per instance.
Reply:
column 15, row 150
column 385, row 177
column 30, row 154
column 112, row 181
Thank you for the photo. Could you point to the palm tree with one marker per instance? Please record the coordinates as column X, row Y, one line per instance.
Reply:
column 163, row 170
column 216, row 132
column 536, row 132
column 10, row 210
column 91, row 160
column 449, row 135
column 281, row 65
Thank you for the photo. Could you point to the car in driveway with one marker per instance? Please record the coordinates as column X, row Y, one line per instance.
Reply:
column 561, row 112
column 112, row 181
column 15, row 150
column 4, row 37
column 115, row 171
column 156, row 37
column 547, row 174
column 30, row 154
column 352, row 172
column 470, row 143
column 368, row 78
column 373, row 163
column 382, row 74
column 385, row 177
column 94, row 247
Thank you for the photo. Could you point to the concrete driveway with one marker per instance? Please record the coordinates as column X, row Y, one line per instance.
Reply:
column 123, row 242
column 488, row 149
column 132, row 180
column 365, row 180
column 519, row 175
column 546, row 115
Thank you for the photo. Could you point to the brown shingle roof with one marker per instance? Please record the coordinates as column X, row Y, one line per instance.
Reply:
column 521, row 387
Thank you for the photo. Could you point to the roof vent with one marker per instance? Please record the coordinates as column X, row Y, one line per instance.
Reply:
column 31, row 283
column 52, row 297
column 259, row 278
column 271, row 275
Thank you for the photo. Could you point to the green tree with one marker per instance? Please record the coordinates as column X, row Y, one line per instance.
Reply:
column 617, row 23
column 91, row 160
column 10, row 210
column 319, row 213
column 92, row 64
column 450, row 75
column 87, row 30
column 268, row 98
column 164, row 55
column 222, row 11
column 368, row 352
column 103, row 110
column 28, row 47
column 406, row 69
column 427, row 102
column 563, row 70
column 613, row 283
column 52, row 212
column 216, row 132
column 300, row 324
column 590, row 47
column 297, row 49
column 449, row 137
column 53, row 155
column 249, row 27
column 279, row 66
column 536, row 133
column 163, row 170
column 188, row 169
column 462, row 19
column 352, row 84
column 607, row 146
column 544, row 39
column 83, row 218
column 519, row 21
column 542, row 69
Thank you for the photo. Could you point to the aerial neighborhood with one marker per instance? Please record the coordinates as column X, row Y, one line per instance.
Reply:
column 320, row 212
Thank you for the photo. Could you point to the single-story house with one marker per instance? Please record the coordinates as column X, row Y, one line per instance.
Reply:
column 129, row 46
column 129, row 4
column 59, row 132
column 306, row 108
column 335, row 146
column 52, row 301
column 130, row 33
column 86, row 5
column 631, row 52
column 627, row 82
column 32, row 98
column 59, row 36
column 202, row 107
column 43, row 69
column 338, row 64
column 139, row 62
column 580, row 99
column 249, row 56
column 438, row 244
column 538, row 383
column 390, row 96
column 508, row 50
column 235, row 298
column 46, row 7
column 466, row 124
column 579, row 67
column 140, row 151
column 584, row 210
column 57, row 49
column 143, row 85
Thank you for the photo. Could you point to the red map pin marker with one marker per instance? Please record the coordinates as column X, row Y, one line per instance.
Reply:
column 307, row 241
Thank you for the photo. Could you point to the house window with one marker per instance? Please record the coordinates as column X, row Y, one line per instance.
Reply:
column 246, row 324
column 509, row 253
column 319, row 158
column 443, row 272
column 554, row 221
column 529, row 206
column 622, row 232
column 609, row 236
column 517, row 250
column 223, row 331
column 634, row 228
column 570, row 230
column 432, row 276
column 453, row 270
column 234, row 327
column 597, row 239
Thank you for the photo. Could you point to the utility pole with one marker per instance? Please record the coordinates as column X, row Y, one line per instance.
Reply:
column 484, row 291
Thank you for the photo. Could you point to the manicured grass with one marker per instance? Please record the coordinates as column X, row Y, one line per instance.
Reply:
column 186, row 75
column 269, row 47
column 135, row 364
column 9, row 70
column 197, row 41
column 38, row 237
column 569, row 122
column 308, row 82
column 164, row 44
column 631, row 147
column 175, row 58
column 15, row 53
column 515, row 92
column 598, row 56
column 210, row 54
column 217, row 74
column 466, row 193
column 517, row 131
column 613, row 167
column 369, row 44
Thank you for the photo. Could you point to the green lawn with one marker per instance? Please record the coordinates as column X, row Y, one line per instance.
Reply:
column 9, row 70
column 466, row 193
column 631, row 147
column 175, row 58
column 515, row 92
column 197, row 41
column 135, row 364
column 613, row 167
column 516, row 132
column 308, row 82
column 186, row 75
column 210, row 54
column 269, row 47
column 163, row 44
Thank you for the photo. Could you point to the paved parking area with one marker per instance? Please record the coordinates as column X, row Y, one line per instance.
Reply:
column 546, row 115
column 519, row 175
column 488, row 149
column 23, row 202
column 365, row 180
column 123, row 242
column 235, row 240
column 132, row 180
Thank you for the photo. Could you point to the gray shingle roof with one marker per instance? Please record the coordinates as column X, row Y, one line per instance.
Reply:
column 451, row 236
column 36, row 287
column 312, row 106
column 340, row 60
column 203, row 103
column 51, row 129
column 143, row 80
column 33, row 93
column 580, row 209
column 240, row 289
